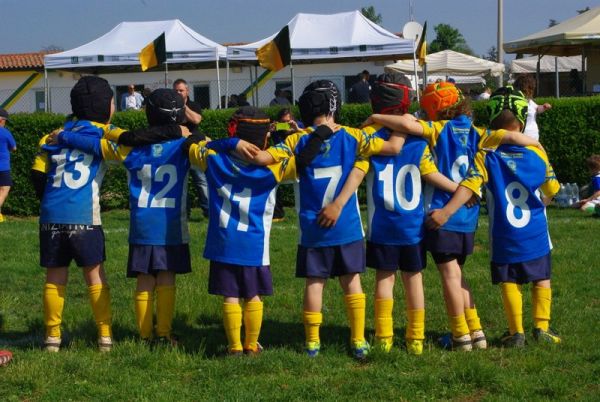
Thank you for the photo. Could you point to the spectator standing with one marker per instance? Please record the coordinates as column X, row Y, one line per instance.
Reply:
column 132, row 99
column 7, row 145
column 360, row 92
column 526, row 84
column 279, row 99
column 193, row 117
column 485, row 95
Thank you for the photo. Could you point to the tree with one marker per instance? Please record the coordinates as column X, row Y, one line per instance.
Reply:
column 583, row 10
column 491, row 55
column 552, row 22
column 371, row 14
column 448, row 37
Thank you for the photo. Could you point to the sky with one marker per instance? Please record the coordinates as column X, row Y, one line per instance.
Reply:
column 31, row 25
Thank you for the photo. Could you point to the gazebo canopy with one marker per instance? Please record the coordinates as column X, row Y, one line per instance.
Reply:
column 564, row 39
column 330, row 37
column 547, row 64
column 120, row 47
column 449, row 62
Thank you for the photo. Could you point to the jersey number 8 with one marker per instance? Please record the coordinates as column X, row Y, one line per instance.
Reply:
column 520, row 202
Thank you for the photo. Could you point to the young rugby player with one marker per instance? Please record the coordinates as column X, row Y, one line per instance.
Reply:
column 158, row 232
column 241, row 198
column 396, row 216
column 520, row 251
column 325, row 160
column 454, row 141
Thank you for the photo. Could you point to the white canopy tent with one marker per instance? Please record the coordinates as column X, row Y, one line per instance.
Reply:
column 323, row 38
column 119, row 49
column 547, row 64
column 450, row 63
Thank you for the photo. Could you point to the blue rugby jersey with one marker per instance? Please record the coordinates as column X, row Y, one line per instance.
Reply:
column 241, row 199
column 518, row 224
column 394, row 197
column 157, row 176
column 74, row 177
column 454, row 144
column 323, row 180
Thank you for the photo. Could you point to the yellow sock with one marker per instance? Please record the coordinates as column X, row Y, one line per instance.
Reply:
column 312, row 322
column 165, row 308
column 541, row 304
column 253, row 315
column 100, row 301
column 144, row 306
column 458, row 325
column 54, row 302
column 232, row 321
column 356, row 305
column 384, row 321
column 512, row 298
column 473, row 319
column 415, row 329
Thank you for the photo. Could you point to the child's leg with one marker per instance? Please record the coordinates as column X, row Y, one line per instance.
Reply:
column 144, row 304
column 541, row 304
column 165, row 303
column 355, row 306
column 313, row 303
column 253, row 315
column 99, row 294
column 232, row 321
column 384, row 304
column 453, row 296
column 415, row 305
column 512, row 298
column 54, row 299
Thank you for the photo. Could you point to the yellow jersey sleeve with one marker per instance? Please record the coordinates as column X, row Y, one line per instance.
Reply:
column 284, row 170
column 285, row 150
column 490, row 139
column 432, row 130
column 111, row 151
column 551, row 186
column 198, row 155
column 41, row 163
column 477, row 175
column 368, row 143
column 113, row 133
column 427, row 164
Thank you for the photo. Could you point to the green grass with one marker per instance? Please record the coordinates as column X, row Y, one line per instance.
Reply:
column 198, row 370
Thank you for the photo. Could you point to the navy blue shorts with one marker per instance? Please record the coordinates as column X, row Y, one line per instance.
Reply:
column 386, row 257
column 330, row 261
column 61, row 243
column 145, row 259
column 446, row 246
column 522, row 272
column 241, row 281
column 5, row 179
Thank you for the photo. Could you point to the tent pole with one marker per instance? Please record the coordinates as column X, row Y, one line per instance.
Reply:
column 537, row 76
column 226, row 83
column 293, row 82
column 166, row 75
column 45, row 90
column 255, row 92
column 251, row 81
column 415, row 66
column 424, row 85
column 583, row 72
column 218, row 81
column 557, row 78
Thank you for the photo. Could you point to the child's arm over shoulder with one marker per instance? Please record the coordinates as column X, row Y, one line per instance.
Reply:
column 146, row 135
column 492, row 139
column 94, row 145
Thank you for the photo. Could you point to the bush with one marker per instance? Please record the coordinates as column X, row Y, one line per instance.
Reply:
column 570, row 132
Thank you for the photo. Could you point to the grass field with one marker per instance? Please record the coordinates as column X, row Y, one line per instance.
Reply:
column 198, row 370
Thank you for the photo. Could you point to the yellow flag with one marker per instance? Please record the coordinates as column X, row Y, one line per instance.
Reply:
column 154, row 54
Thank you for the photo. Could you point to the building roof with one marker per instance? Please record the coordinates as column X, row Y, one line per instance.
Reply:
column 22, row 61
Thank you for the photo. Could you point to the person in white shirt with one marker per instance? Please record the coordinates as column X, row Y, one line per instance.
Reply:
column 485, row 95
column 526, row 84
column 131, row 99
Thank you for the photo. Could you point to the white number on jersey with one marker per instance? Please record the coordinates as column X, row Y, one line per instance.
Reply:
column 334, row 174
column 242, row 199
column 460, row 162
column 398, row 187
column 520, row 201
column 82, row 167
column 159, row 200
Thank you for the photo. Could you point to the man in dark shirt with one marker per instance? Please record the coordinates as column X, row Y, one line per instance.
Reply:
column 193, row 117
column 360, row 91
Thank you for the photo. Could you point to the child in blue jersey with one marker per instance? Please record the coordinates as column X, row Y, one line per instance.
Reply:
column 241, row 201
column 158, row 232
column 520, row 251
column 454, row 141
column 325, row 159
column 395, row 216
column 590, row 203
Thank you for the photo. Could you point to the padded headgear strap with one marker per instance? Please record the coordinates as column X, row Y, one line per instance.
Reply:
column 250, row 124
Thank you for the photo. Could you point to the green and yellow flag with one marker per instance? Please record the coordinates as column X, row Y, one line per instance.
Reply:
column 154, row 53
column 422, row 46
column 276, row 54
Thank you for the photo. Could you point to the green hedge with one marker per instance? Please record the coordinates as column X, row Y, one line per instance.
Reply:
column 570, row 132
